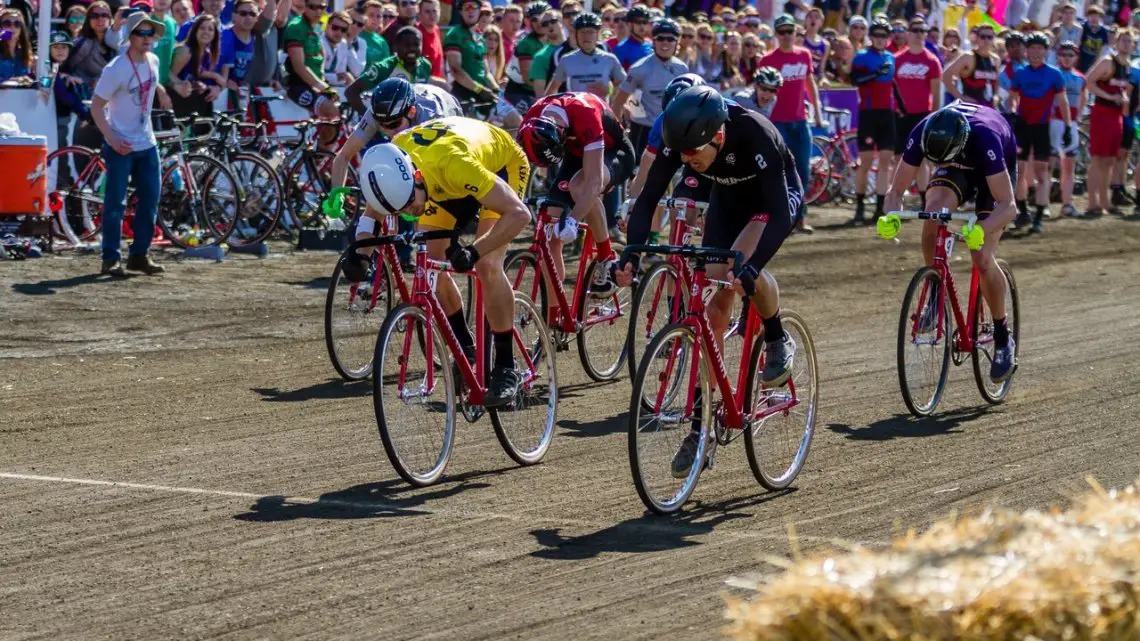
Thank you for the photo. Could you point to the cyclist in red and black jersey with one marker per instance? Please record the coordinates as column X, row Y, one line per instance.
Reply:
column 579, row 131
column 977, row 70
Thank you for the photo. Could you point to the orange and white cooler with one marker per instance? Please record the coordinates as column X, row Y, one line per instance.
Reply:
column 23, row 174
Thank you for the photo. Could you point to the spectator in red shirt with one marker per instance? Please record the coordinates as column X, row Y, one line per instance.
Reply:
column 621, row 29
column 433, row 39
column 918, row 76
column 899, row 38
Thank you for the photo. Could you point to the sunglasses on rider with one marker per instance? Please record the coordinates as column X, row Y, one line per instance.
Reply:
column 694, row 151
column 664, row 39
column 548, row 23
column 986, row 36
column 570, row 15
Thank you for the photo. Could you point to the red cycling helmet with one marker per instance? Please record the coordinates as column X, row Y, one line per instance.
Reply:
column 541, row 139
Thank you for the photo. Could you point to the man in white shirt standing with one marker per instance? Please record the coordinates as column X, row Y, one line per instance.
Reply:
column 121, row 109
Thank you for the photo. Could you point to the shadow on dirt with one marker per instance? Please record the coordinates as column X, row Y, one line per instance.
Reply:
column 332, row 388
column 907, row 426
column 368, row 501
column 49, row 287
column 320, row 283
column 582, row 389
column 588, row 429
column 649, row 532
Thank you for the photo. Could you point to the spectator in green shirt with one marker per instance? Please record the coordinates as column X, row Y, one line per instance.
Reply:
column 542, row 67
column 371, row 34
column 164, row 47
column 305, row 84
column 408, row 63
column 464, row 49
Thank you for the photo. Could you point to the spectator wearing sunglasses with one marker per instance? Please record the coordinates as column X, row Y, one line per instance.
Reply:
column 898, row 37
column 73, row 20
column 305, row 84
column 918, row 77
column 649, row 77
column 121, row 108
column 341, row 65
column 542, row 68
column 407, row 13
column 590, row 68
column 465, row 51
column 637, row 45
column 237, row 46
column 17, row 62
column 620, row 29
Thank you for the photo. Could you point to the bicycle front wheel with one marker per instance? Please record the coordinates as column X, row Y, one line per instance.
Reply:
column 262, row 198
column 413, row 397
column 925, row 335
column 79, row 177
column 656, row 304
column 777, row 443
column 525, row 426
column 604, row 322
column 353, row 315
column 982, row 327
column 657, row 433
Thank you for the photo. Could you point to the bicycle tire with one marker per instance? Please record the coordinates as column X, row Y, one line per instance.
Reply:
column 795, row 326
column 394, row 340
column 82, row 204
column 819, row 173
column 525, row 274
column 656, row 278
column 978, row 325
column 311, row 176
column 262, row 205
column 906, row 319
column 214, row 225
column 588, row 354
column 515, row 441
column 645, row 483
column 357, row 365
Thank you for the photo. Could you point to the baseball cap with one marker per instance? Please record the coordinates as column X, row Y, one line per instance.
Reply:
column 857, row 20
column 60, row 38
column 784, row 19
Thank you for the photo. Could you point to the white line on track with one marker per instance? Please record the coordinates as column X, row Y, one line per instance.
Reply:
column 663, row 526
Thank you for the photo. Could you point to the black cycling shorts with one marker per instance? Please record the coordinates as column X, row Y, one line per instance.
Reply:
column 639, row 136
column 731, row 208
column 304, row 95
column 904, row 126
column 693, row 186
column 876, row 130
column 619, row 160
column 969, row 185
column 1033, row 138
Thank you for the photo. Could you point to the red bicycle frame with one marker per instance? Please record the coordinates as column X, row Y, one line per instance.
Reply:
column 944, row 246
column 392, row 260
column 680, row 233
column 702, row 290
column 423, row 295
column 565, row 319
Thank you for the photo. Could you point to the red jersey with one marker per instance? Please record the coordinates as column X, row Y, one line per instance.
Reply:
column 795, row 67
column 592, row 124
column 913, row 73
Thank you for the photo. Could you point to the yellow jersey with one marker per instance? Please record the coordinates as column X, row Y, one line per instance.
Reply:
column 460, row 157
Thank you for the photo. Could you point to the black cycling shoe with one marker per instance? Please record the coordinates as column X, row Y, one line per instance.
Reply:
column 502, row 387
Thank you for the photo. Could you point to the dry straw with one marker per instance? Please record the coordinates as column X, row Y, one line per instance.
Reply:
column 998, row 576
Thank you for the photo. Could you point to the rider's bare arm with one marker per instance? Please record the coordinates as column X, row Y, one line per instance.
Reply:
column 661, row 172
column 960, row 67
column 1004, row 206
column 618, row 104
column 642, row 173
column 904, row 176
column 343, row 157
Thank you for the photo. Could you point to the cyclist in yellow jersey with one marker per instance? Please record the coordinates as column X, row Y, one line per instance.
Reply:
column 448, row 172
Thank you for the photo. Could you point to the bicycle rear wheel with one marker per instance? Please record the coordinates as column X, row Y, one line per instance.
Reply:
column 310, row 180
column 354, row 313
column 79, row 177
column 924, row 352
column 262, row 198
column 982, row 327
column 200, row 201
column 525, row 427
column 777, row 445
column 656, row 433
column 415, row 408
column 602, row 339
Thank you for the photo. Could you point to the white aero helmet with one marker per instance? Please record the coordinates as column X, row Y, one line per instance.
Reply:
column 387, row 178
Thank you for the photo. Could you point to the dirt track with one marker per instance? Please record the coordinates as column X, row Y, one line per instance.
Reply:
column 263, row 505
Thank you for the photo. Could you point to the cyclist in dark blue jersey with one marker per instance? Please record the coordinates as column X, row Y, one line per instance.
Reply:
column 975, row 158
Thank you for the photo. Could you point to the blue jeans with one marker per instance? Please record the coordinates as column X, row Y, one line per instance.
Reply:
column 797, row 136
column 141, row 167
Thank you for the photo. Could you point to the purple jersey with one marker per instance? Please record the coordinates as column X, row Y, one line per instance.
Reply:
column 990, row 149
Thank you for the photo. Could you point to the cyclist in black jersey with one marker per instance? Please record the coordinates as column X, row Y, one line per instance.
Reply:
column 755, row 197
column 977, row 70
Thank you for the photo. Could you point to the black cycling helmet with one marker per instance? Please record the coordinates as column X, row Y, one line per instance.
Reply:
column 879, row 24
column 1014, row 36
column 392, row 100
column 536, row 9
column 667, row 27
column 945, row 135
column 768, row 77
column 638, row 12
column 587, row 21
column 1069, row 45
column 541, row 139
column 1037, row 38
column 677, row 85
column 693, row 118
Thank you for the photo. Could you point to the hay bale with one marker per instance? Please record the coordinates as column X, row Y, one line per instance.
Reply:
column 998, row 576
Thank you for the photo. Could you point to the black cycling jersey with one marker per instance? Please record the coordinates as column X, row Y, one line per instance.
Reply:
column 753, row 175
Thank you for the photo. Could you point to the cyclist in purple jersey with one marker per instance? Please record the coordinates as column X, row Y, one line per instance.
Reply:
column 975, row 158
